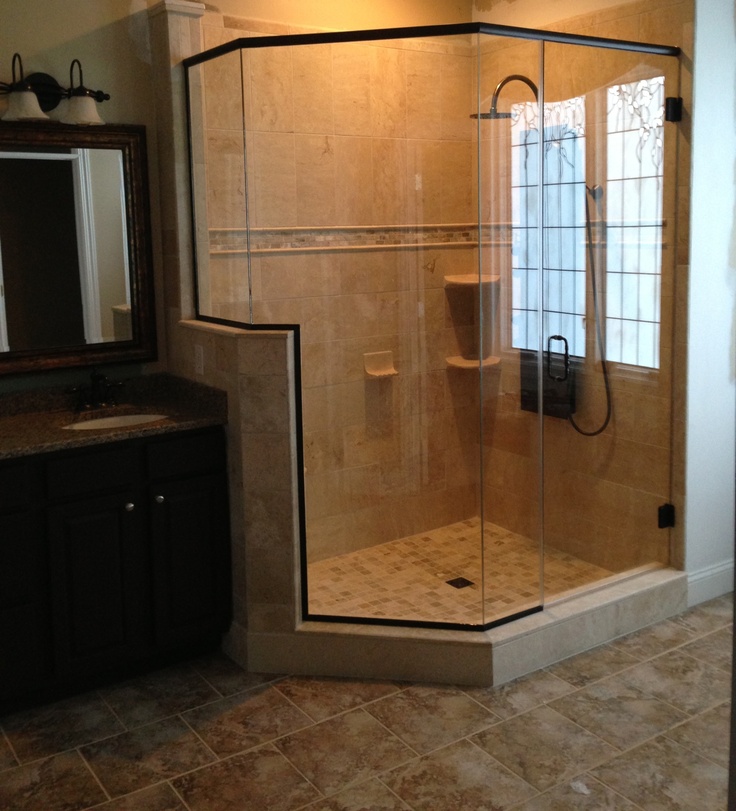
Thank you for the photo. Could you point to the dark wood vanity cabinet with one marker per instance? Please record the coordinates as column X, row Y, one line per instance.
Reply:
column 100, row 559
column 118, row 560
column 26, row 660
column 187, row 494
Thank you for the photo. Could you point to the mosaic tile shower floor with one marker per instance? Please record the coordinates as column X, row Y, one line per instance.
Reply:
column 407, row 579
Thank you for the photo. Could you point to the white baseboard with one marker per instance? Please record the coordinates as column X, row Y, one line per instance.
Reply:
column 710, row 582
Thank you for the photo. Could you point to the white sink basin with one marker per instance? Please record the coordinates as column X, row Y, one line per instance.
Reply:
column 119, row 421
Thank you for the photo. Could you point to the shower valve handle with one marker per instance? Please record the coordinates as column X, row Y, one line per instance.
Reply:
column 558, row 378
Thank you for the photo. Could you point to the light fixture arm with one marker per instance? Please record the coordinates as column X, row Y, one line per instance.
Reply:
column 80, row 89
column 48, row 91
column 22, row 100
column 16, row 85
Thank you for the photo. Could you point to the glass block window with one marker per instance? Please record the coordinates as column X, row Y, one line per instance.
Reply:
column 564, row 226
column 634, row 221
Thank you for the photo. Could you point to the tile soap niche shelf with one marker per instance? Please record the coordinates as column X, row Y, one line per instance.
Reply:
column 379, row 364
column 460, row 362
column 470, row 280
column 473, row 282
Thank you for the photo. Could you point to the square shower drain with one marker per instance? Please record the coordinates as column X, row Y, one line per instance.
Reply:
column 459, row 582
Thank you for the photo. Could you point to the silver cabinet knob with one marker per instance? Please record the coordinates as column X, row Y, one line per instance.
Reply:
column 159, row 499
column 129, row 507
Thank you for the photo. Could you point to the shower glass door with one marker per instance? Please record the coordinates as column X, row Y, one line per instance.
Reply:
column 608, row 203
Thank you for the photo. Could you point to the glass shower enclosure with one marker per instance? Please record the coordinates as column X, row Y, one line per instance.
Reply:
column 470, row 229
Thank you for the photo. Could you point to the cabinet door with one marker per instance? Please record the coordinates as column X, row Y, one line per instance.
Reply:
column 101, row 584
column 192, row 551
column 25, row 624
column 26, row 660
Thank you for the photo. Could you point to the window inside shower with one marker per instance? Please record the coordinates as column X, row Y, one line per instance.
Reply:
column 635, row 150
column 574, row 218
column 563, row 145
column 383, row 196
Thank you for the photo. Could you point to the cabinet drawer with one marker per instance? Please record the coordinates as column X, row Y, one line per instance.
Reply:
column 17, row 482
column 101, row 470
column 184, row 455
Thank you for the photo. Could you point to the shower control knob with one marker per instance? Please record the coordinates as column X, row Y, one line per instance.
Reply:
column 129, row 507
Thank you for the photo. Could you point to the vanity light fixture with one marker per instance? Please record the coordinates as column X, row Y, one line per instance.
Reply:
column 82, row 106
column 22, row 101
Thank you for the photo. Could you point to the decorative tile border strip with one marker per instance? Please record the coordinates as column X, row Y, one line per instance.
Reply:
column 286, row 240
column 225, row 241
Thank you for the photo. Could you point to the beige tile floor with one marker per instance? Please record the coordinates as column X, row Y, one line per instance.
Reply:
column 639, row 723
column 407, row 579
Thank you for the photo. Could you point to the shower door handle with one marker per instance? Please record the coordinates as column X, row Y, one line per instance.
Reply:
column 558, row 378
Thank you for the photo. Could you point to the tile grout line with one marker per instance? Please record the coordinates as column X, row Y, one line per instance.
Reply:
column 178, row 795
column 112, row 709
column 398, row 797
column 506, row 769
column 322, row 795
column 93, row 773
column 197, row 735
column 11, row 748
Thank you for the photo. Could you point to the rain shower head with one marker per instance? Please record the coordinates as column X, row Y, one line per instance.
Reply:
column 491, row 115
column 493, row 112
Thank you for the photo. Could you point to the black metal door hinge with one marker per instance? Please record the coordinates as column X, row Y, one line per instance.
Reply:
column 666, row 516
column 673, row 108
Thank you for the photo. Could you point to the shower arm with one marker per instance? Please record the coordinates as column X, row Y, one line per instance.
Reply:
column 499, row 87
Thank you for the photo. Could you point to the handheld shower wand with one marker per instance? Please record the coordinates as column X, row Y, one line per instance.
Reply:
column 596, row 193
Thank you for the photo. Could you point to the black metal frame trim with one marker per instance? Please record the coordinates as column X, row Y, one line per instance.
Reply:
column 442, row 626
column 366, row 35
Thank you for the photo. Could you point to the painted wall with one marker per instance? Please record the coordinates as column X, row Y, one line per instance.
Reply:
column 110, row 39
column 711, row 400
column 342, row 15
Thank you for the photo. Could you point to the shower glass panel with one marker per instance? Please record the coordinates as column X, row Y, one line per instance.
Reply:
column 510, row 497
column 218, row 150
column 387, row 193
column 471, row 236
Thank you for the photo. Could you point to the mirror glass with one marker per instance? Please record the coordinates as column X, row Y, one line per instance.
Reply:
column 75, row 270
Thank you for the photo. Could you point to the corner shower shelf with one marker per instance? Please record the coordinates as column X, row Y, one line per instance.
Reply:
column 470, row 280
column 459, row 362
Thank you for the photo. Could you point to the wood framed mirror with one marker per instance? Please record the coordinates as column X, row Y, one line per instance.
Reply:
column 76, row 284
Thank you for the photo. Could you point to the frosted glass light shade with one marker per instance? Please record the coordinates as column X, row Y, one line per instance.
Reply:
column 23, row 106
column 81, row 110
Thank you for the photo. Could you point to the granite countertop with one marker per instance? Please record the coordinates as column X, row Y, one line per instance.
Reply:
column 33, row 422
